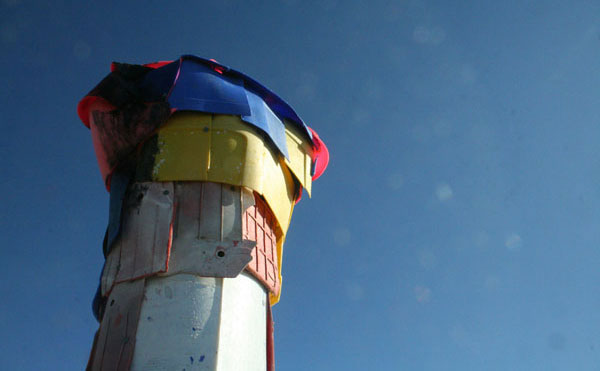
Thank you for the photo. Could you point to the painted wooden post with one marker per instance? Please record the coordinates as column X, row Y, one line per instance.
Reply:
column 201, row 199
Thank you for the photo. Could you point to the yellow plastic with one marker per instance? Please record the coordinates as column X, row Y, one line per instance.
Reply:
column 300, row 153
column 221, row 148
column 195, row 146
column 280, row 240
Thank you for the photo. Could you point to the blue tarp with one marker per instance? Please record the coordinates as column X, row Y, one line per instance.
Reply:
column 198, row 84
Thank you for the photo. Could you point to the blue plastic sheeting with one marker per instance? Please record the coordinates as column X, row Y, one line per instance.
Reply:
column 200, row 88
column 98, row 302
column 118, row 187
column 157, row 83
column 262, row 117
column 277, row 105
column 198, row 84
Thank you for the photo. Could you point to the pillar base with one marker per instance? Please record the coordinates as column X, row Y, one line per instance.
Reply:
column 184, row 322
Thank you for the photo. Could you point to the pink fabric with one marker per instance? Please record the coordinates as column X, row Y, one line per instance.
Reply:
column 321, row 155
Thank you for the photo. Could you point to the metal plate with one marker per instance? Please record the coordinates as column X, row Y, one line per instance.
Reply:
column 113, row 350
column 144, row 244
column 208, row 230
column 212, row 258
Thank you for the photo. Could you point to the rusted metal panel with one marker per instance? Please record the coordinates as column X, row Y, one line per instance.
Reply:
column 113, row 350
column 143, row 246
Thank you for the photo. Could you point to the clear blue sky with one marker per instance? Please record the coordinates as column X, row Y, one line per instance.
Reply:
column 455, row 229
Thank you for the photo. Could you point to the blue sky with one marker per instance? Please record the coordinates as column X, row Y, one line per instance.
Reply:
column 455, row 229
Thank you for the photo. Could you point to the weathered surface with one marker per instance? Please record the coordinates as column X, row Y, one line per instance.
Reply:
column 208, row 231
column 259, row 225
column 202, row 323
column 116, row 338
column 143, row 246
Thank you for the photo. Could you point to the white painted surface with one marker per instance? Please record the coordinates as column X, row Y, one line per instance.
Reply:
column 243, row 331
column 190, row 323
column 207, row 238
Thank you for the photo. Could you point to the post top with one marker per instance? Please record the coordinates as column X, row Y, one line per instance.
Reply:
column 197, row 84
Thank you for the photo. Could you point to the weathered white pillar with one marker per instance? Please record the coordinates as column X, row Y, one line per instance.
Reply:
column 178, row 297
column 204, row 166
column 190, row 323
